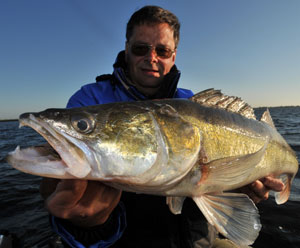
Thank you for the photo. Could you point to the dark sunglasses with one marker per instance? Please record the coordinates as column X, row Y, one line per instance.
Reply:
column 143, row 49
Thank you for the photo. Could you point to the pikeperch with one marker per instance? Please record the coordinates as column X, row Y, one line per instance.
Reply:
column 204, row 148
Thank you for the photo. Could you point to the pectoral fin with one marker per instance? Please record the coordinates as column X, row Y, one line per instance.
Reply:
column 231, row 170
column 175, row 204
column 234, row 215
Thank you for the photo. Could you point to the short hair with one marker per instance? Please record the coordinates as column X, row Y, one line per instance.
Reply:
column 153, row 15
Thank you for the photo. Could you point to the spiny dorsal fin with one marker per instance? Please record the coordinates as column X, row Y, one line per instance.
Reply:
column 266, row 117
column 215, row 98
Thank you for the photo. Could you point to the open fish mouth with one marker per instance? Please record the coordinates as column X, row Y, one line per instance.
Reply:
column 63, row 155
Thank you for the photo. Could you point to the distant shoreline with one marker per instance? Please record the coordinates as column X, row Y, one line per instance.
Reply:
column 9, row 120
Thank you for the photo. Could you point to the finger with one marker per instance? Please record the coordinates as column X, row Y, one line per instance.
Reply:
column 249, row 192
column 106, row 194
column 256, row 191
column 99, row 205
column 260, row 190
column 66, row 196
column 273, row 183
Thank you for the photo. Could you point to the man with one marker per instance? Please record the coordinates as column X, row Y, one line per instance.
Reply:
column 90, row 214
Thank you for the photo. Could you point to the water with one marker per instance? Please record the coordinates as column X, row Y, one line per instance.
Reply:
column 22, row 212
column 21, row 207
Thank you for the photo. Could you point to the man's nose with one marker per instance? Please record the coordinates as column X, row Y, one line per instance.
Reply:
column 152, row 55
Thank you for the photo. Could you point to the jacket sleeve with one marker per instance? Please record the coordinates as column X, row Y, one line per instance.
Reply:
column 101, row 236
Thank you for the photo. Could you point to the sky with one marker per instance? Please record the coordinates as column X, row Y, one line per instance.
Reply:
column 50, row 48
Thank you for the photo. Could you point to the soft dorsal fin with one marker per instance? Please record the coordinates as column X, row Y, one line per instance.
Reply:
column 266, row 117
column 215, row 98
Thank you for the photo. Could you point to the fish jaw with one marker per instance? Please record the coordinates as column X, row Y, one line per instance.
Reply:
column 38, row 161
column 73, row 162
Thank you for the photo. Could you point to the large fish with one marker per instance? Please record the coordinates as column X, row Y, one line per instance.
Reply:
column 196, row 148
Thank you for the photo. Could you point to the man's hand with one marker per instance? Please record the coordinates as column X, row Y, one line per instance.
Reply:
column 82, row 202
column 259, row 189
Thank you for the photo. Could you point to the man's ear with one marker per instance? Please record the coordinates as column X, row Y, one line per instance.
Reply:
column 174, row 56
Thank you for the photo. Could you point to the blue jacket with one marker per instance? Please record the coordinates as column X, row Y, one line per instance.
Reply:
column 105, row 92
column 108, row 89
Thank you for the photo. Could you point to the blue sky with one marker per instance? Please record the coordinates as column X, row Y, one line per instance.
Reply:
column 49, row 49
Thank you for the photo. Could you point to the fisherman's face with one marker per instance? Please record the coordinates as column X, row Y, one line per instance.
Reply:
column 147, row 71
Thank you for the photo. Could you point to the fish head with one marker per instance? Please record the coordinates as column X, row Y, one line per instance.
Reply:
column 101, row 140
column 72, row 158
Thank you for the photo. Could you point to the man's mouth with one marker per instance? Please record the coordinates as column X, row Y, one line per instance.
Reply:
column 150, row 71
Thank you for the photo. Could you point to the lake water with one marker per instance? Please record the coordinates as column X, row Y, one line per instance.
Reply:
column 22, row 212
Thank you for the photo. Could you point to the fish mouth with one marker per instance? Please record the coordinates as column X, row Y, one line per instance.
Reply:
column 67, row 156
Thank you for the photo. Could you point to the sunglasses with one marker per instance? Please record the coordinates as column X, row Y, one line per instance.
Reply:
column 143, row 49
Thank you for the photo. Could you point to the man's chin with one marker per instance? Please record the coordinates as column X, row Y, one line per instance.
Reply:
column 149, row 88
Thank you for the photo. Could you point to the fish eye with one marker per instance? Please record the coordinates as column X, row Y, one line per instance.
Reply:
column 82, row 123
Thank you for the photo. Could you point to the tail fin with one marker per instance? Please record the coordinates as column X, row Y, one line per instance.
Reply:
column 282, row 196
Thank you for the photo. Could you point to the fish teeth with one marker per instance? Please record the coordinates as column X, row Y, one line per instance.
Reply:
column 21, row 124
